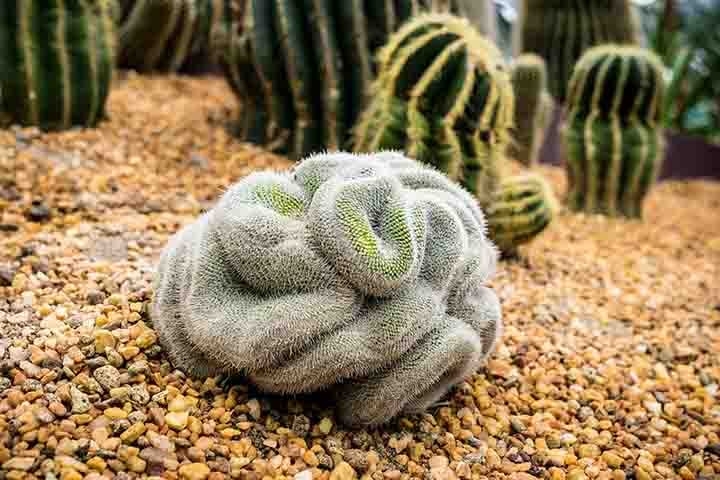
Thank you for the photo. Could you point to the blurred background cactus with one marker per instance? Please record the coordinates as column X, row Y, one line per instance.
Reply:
column 613, row 134
column 56, row 62
column 560, row 31
column 165, row 35
column 302, row 69
column 533, row 108
column 521, row 208
column 443, row 96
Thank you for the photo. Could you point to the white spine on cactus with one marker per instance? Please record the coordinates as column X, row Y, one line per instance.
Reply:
column 363, row 274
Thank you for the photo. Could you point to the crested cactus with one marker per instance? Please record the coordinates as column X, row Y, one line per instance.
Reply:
column 533, row 108
column 56, row 62
column 521, row 208
column 360, row 274
column 443, row 96
column 613, row 136
column 161, row 35
column 560, row 31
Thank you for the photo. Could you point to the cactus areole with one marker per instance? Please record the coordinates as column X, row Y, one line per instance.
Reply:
column 364, row 275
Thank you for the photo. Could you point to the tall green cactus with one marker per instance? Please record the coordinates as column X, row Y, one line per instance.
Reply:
column 161, row 35
column 56, row 61
column 533, row 107
column 481, row 13
column 521, row 208
column 302, row 69
column 561, row 30
column 443, row 95
column 613, row 136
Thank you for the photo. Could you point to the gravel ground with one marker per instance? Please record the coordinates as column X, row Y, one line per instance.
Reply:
column 608, row 369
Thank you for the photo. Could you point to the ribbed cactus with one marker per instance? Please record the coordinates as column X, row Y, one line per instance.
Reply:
column 613, row 137
column 533, row 108
column 443, row 95
column 521, row 208
column 56, row 62
column 561, row 30
column 302, row 68
column 361, row 274
column 161, row 35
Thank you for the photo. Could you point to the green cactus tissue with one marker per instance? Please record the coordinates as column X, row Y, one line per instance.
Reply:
column 363, row 275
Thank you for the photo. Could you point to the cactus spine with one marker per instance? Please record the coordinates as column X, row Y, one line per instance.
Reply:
column 160, row 35
column 56, row 61
column 521, row 208
column 533, row 107
column 612, row 136
column 444, row 97
column 561, row 30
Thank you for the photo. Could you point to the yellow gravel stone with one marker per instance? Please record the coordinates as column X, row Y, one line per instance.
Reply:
column 133, row 433
column 194, row 471
column 177, row 420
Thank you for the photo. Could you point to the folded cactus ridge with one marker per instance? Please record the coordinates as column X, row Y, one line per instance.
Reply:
column 362, row 274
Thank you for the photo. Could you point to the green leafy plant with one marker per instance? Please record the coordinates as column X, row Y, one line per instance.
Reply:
column 686, row 37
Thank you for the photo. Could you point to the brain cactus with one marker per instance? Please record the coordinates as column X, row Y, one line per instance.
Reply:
column 56, row 62
column 162, row 35
column 533, row 108
column 521, row 208
column 443, row 95
column 613, row 137
column 561, row 30
column 359, row 274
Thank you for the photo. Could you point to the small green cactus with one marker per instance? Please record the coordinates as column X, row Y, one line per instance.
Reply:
column 560, row 31
column 613, row 136
column 533, row 108
column 359, row 275
column 56, row 62
column 161, row 35
column 521, row 208
column 443, row 96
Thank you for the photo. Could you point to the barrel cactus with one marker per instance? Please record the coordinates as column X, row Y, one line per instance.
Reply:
column 613, row 136
column 533, row 108
column 56, row 62
column 560, row 31
column 521, row 208
column 302, row 68
column 162, row 35
column 444, row 96
column 363, row 275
